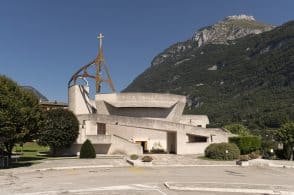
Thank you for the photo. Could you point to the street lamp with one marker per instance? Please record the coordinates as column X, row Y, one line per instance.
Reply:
column 227, row 152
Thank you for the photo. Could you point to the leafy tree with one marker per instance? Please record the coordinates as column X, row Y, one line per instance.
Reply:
column 238, row 129
column 60, row 131
column 87, row 150
column 246, row 144
column 20, row 114
column 275, row 120
column 286, row 136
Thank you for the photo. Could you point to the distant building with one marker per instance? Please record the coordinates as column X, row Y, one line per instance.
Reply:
column 49, row 105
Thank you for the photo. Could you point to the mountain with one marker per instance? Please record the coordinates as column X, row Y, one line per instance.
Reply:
column 36, row 92
column 231, row 28
column 247, row 79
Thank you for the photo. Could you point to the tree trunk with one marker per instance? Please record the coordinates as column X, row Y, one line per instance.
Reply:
column 291, row 156
column 53, row 151
column 9, row 148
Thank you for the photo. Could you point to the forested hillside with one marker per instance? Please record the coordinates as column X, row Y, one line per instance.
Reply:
column 248, row 80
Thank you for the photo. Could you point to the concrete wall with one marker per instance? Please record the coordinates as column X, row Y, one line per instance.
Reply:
column 99, row 148
column 136, row 134
column 150, row 105
column 141, row 129
column 213, row 135
column 195, row 120
column 119, row 145
column 79, row 101
column 154, row 100
column 160, row 113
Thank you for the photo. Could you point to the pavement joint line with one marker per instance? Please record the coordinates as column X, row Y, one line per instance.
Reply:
column 71, row 167
column 153, row 166
column 135, row 187
column 234, row 190
column 235, row 183
column 189, row 165
column 122, row 166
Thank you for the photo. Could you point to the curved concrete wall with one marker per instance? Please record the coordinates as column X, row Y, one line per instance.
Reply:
column 79, row 101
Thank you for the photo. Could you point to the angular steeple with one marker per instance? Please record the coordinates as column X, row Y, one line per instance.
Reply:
column 99, row 64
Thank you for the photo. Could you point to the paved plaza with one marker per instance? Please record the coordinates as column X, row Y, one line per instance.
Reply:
column 115, row 176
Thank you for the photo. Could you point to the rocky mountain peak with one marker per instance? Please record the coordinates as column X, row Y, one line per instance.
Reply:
column 240, row 17
column 223, row 32
column 232, row 27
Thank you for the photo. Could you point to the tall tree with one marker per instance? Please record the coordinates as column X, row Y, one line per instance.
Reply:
column 286, row 135
column 238, row 129
column 60, row 131
column 20, row 114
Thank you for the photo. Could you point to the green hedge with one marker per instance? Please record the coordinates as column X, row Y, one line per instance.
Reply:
column 246, row 144
column 222, row 151
column 87, row 150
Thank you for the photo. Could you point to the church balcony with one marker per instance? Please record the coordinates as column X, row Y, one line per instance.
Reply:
column 99, row 139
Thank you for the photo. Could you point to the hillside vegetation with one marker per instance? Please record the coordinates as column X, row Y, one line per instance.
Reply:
column 250, row 80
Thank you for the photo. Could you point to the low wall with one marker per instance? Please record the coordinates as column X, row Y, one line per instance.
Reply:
column 133, row 134
column 99, row 148
column 121, row 145
column 186, row 147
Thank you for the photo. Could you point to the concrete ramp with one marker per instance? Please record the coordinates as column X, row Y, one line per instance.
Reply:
column 121, row 145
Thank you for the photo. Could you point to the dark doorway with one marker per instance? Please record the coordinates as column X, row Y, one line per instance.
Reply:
column 172, row 142
column 144, row 145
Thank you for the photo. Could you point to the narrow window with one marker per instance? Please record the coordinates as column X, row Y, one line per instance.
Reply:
column 197, row 138
column 101, row 128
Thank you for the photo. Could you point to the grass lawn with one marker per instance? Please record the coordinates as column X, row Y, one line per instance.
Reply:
column 30, row 149
column 29, row 154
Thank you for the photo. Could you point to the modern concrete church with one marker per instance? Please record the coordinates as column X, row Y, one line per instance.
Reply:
column 134, row 123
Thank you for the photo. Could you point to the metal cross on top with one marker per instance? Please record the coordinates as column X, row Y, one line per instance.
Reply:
column 100, row 37
column 99, row 64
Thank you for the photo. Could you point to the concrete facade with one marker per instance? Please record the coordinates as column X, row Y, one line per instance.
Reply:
column 133, row 123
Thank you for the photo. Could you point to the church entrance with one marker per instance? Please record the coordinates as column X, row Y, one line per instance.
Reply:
column 144, row 145
column 171, row 142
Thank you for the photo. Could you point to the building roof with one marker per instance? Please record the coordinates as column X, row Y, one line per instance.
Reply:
column 154, row 100
column 53, row 103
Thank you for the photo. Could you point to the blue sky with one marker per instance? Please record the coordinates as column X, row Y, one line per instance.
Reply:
column 42, row 43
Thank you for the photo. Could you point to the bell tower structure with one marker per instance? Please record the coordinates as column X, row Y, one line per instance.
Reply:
column 99, row 64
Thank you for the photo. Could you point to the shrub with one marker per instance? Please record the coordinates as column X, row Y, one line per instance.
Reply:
column 222, row 151
column 134, row 157
column 147, row 159
column 244, row 157
column 238, row 129
column 254, row 155
column 87, row 150
column 246, row 144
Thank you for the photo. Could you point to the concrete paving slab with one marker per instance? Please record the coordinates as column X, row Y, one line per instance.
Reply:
column 75, row 181
column 188, row 160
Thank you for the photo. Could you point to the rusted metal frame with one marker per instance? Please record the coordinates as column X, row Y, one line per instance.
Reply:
column 108, row 76
column 75, row 75
column 82, row 72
